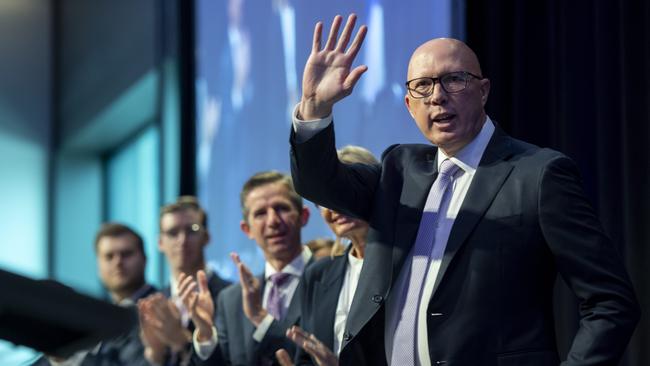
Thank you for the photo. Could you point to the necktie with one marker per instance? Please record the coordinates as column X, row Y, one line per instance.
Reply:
column 405, row 338
column 275, row 300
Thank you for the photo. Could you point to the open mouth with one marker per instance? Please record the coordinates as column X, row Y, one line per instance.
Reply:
column 276, row 237
column 443, row 117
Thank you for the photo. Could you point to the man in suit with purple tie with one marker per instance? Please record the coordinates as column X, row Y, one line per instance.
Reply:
column 468, row 234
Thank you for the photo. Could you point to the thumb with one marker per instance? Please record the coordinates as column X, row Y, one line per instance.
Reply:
column 283, row 357
column 203, row 281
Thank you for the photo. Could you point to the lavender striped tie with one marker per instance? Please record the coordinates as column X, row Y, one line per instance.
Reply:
column 275, row 301
column 404, row 352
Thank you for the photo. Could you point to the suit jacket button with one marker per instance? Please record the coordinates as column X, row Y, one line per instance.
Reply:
column 347, row 336
column 378, row 299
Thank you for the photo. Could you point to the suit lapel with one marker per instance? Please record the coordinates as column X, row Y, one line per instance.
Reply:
column 326, row 294
column 488, row 179
column 293, row 312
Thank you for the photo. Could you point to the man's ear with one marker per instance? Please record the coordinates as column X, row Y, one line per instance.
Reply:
column 245, row 228
column 485, row 90
column 206, row 238
column 407, row 102
column 304, row 215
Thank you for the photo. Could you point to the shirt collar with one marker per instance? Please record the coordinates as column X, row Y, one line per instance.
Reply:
column 470, row 156
column 295, row 268
column 354, row 261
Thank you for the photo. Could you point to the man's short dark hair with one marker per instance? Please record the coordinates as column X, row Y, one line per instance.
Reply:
column 266, row 178
column 115, row 229
column 184, row 203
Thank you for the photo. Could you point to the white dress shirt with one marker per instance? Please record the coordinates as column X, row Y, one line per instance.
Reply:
column 349, row 287
column 467, row 159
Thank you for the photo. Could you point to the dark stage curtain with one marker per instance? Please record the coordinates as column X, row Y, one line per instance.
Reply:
column 575, row 76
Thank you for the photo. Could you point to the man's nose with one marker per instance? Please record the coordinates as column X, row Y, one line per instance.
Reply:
column 273, row 218
column 438, row 95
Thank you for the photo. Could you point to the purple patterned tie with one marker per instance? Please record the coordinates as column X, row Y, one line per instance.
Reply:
column 274, row 304
column 404, row 352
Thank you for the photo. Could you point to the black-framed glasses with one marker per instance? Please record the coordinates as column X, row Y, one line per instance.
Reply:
column 452, row 82
column 189, row 230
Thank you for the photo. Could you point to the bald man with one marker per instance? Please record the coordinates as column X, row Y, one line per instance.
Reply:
column 467, row 234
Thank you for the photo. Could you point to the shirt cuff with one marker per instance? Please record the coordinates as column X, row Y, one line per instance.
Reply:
column 307, row 129
column 264, row 326
column 204, row 349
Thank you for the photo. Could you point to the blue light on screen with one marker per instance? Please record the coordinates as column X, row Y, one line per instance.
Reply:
column 250, row 58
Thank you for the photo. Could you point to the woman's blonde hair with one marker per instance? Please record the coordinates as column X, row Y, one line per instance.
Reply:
column 352, row 154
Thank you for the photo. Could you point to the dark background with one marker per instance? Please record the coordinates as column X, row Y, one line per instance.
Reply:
column 575, row 76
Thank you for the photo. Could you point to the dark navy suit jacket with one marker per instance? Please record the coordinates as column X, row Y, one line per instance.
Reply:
column 525, row 219
column 322, row 284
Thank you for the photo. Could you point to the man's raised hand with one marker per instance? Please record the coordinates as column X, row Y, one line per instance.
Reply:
column 328, row 75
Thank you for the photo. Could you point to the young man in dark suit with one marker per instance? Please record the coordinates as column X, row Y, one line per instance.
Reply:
column 467, row 234
column 253, row 315
column 167, row 329
column 121, row 262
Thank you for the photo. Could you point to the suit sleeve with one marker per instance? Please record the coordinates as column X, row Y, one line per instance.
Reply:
column 319, row 176
column 590, row 263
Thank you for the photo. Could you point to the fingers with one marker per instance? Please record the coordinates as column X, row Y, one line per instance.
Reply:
column 203, row 281
column 347, row 33
column 298, row 336
column 283, row 357
column 186, row 287
column 358, row 41
column 318, row 31
column 352, row 78
column 311, row 345
column 245, row 275
column 334, row 31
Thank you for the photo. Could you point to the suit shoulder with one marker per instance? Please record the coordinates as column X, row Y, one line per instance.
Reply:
column 316, row 268
column 532, row 154
column 217, row 283
column 316, row 271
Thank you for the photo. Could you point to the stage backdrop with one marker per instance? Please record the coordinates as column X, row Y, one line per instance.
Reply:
column 250, row 55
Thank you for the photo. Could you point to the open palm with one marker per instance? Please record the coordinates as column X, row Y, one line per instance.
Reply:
column 328, row 75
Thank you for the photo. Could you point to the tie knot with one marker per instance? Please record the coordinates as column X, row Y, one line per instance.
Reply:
column 279, row 278
column 447, row 167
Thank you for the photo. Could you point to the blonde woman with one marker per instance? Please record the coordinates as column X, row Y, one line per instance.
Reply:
column 329, row 284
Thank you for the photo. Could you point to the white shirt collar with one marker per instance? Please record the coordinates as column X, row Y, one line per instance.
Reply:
column 469, row 156
column 296, row 267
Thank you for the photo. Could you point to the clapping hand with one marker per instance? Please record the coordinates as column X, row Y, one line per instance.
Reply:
column 312, row 345
column 251, row 292
column 199, row 303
